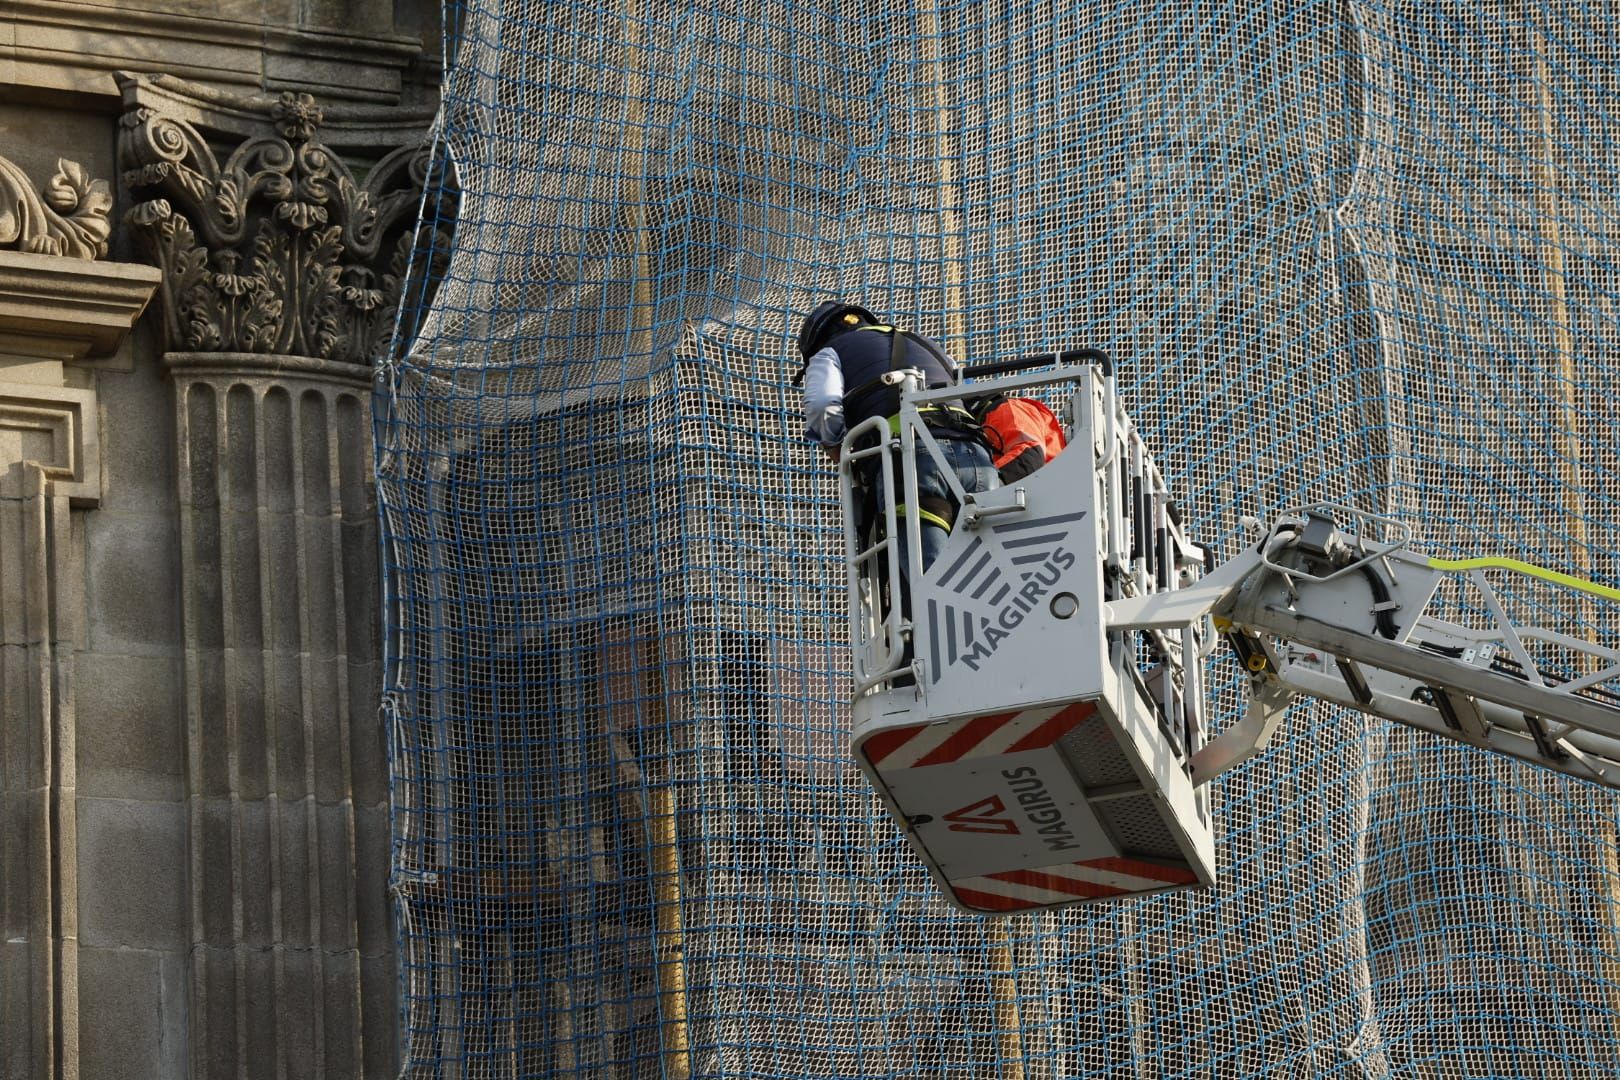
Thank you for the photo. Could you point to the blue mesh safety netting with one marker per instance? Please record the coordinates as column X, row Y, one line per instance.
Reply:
column 1356, row 251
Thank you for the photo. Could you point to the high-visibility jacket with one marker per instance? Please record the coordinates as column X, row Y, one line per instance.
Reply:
column 1023, row 435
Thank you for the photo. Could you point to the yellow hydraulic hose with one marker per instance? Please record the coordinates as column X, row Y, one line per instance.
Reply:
column 1530, row 569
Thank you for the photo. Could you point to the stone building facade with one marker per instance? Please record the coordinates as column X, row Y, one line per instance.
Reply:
column 206, row 213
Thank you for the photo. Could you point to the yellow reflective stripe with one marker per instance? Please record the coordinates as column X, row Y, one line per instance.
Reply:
column 1530, row 569
column 932, row 518
column 925, row 410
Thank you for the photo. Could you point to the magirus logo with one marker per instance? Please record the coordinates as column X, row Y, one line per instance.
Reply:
column 1033, row 800
column 984, row 816
column 989, row 602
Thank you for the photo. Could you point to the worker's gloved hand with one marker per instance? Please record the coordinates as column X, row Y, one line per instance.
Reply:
column 834, row 451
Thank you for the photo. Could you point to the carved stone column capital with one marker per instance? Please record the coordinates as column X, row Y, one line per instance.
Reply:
column 269, row 240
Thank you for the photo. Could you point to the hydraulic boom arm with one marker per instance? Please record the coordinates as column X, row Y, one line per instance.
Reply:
column 1312, row 610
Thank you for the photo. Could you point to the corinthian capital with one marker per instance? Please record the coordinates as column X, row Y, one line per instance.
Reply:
column 269, row 240
column 67, row 216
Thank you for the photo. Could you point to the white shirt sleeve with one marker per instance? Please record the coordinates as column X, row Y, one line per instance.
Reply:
column 824, row 398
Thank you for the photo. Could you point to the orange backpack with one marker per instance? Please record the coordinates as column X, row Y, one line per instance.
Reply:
column 1022, row 433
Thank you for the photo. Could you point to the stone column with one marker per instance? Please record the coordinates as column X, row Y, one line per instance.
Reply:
column 57, row 307
column 282, row 272
column 292, row 960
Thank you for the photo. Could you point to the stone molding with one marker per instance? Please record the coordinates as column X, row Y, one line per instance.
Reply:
column 52, row 309
column 58, row 308
column 68, row 416
column 72, row 48
column 269, row 366
column 67, row 216
column 279, row 248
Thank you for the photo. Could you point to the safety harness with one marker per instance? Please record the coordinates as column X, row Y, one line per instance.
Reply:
column 948, row 419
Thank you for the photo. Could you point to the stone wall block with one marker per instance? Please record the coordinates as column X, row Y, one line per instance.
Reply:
column 24, row 809
column 372, row 900
column 290, row 725
column 335, row 827
column 215, row 852
column 16, row 1003
column 139, row 462
column 368, row 742
column 130, row 740
column 257, row 891
column 216, row 1013
column 379, row 974
column 300, row 903
column 21, row 741
column 129, row 587
column 301, row 1020
column 129, row 1008
column 70, row 625
column 134, row 855
column 332, row 770
column 13, row 574
column 341, row 1034
column 264, row 994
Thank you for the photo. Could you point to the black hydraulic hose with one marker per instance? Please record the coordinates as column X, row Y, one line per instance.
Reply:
column 1385, row 617
column 1067, row 356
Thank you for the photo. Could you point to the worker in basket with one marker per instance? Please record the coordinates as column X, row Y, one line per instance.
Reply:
column 846, row 352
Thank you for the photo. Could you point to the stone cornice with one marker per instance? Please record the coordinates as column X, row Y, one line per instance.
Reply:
column 369, row 127
column 57, row 308
column 65, row 46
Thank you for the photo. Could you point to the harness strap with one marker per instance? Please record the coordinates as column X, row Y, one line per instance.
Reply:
column 927, row 515
column 895, row 361
column 950, row 416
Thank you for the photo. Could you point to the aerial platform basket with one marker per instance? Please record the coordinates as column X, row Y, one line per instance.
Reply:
column 1032, row 757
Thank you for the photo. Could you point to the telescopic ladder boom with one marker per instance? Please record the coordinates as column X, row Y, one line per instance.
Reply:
column 1313, row 610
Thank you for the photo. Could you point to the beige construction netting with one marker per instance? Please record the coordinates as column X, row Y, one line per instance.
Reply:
column 1354, row 251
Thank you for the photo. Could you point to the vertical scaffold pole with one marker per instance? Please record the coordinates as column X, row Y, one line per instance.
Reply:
column 671, row 944
column 662, row 828
column 663, row 832
column 1553, row 280
column 633, row 691
column 633, row 179
column 1004, row 990
column 1574, row 497
column 950, row 215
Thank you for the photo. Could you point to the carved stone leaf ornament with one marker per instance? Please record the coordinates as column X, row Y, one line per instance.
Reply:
column 68, row 216
column 281, row 248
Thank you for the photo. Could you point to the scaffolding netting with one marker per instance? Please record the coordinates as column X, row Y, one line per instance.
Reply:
column 1363, row 252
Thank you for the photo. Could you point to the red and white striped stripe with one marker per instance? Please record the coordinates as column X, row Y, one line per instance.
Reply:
column 1017, row 890
column 916, row 746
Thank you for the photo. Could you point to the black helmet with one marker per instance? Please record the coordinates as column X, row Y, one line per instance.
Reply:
column 830, row 317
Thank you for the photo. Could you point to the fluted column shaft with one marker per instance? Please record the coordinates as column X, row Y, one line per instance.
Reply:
column 286, row 771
